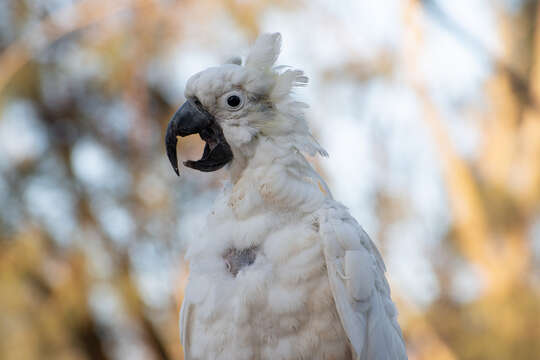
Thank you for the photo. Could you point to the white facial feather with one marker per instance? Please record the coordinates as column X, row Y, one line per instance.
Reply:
column 269, row 109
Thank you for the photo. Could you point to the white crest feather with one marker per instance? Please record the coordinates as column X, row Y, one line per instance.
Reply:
column 264, row 52
column 285, row 82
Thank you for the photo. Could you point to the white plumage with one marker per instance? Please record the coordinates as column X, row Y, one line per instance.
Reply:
column 281, row 270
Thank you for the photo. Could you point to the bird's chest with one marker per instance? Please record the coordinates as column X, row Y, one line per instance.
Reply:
column 238, row 259
column 266, row 288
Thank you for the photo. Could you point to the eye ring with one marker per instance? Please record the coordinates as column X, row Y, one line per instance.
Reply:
column 233, row 100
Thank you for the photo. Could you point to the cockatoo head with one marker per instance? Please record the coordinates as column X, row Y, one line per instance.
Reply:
column 231, row 105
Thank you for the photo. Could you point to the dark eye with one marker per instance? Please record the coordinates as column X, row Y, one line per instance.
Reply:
column 233, row 100
column 197, row 101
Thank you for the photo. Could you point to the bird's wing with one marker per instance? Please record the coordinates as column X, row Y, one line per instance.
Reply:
column 361, row 292
column 184, row 313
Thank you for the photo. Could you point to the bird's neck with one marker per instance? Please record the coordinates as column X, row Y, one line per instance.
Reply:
column 260, row 153
column 238, row 165
column 274, row 174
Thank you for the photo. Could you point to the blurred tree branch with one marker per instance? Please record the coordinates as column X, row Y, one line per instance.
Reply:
column 423, row 340
column 464, row 196
column 519, row 83
column 85, row 13
column 131, row 297
column 500, row 249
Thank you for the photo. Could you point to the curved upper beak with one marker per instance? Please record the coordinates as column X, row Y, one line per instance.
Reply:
column 193, row 119
column 188, row 119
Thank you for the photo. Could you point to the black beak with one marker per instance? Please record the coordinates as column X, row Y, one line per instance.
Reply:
column 192, row 119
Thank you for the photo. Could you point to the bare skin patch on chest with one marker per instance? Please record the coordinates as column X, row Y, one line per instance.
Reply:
column 236, row 259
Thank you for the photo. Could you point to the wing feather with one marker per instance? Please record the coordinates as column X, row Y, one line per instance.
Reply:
column 361, row 292
column 185, row 312
column 194, row 293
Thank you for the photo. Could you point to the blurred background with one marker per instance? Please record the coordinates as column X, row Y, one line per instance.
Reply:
column 430, row 111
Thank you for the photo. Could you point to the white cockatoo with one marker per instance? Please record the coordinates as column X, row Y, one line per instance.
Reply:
column 281, row 270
